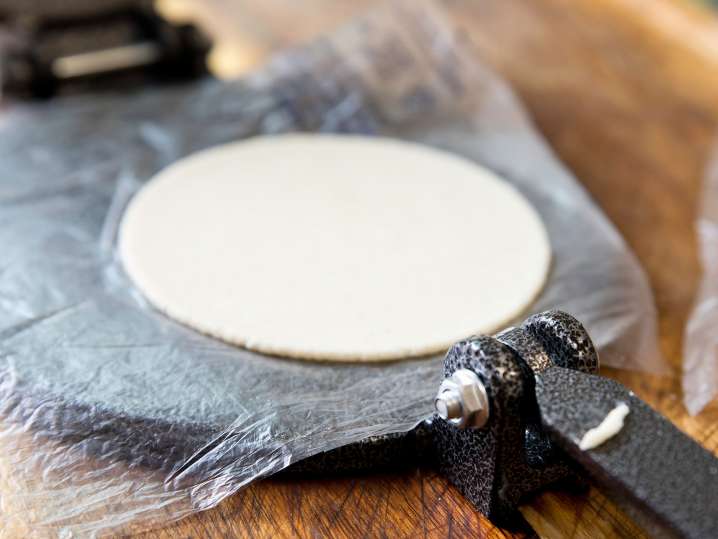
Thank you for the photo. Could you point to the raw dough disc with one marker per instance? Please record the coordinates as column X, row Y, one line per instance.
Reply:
column 334, row 247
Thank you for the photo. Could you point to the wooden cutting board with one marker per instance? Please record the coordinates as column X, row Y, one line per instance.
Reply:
column 624, row 91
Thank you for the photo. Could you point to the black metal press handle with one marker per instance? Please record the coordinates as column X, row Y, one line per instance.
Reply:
column 663, row 479
column 541, row 398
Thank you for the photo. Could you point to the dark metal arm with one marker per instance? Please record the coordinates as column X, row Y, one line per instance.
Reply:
column 663, row 479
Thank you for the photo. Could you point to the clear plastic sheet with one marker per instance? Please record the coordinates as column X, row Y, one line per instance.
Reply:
column 700, row 341
column 114, row 418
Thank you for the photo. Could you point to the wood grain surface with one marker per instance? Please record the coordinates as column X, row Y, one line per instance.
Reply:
column 624, row 91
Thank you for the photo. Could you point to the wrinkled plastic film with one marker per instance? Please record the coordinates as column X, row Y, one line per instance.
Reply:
column 116, row 418
column 700, row 343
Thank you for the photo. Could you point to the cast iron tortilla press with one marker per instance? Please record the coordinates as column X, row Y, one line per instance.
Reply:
column 510, row 416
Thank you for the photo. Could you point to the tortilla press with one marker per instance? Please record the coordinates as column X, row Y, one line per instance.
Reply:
column 509, row 418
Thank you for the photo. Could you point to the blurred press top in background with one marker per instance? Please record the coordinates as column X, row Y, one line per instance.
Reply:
column 50, row 47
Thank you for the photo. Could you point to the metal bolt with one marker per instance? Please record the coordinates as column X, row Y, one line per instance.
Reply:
column 448, row 405
column 462, row 400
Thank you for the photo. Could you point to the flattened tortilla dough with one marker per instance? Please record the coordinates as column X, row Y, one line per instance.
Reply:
column 334, row 247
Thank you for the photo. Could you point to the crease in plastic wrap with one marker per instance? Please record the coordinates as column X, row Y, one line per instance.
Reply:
column 700, row 340
column 116, row 419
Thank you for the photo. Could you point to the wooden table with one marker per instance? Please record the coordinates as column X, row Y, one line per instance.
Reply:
column 624, row 90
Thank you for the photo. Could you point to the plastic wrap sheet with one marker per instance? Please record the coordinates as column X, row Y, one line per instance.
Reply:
column 700, row 342
column 116, row 418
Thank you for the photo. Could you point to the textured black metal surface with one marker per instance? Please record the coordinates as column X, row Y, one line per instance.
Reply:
column 492, row 466
column 564, row 340
column 665, row 480
column 390, row 452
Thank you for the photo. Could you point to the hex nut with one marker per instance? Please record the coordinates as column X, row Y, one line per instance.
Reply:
column 464, row 385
